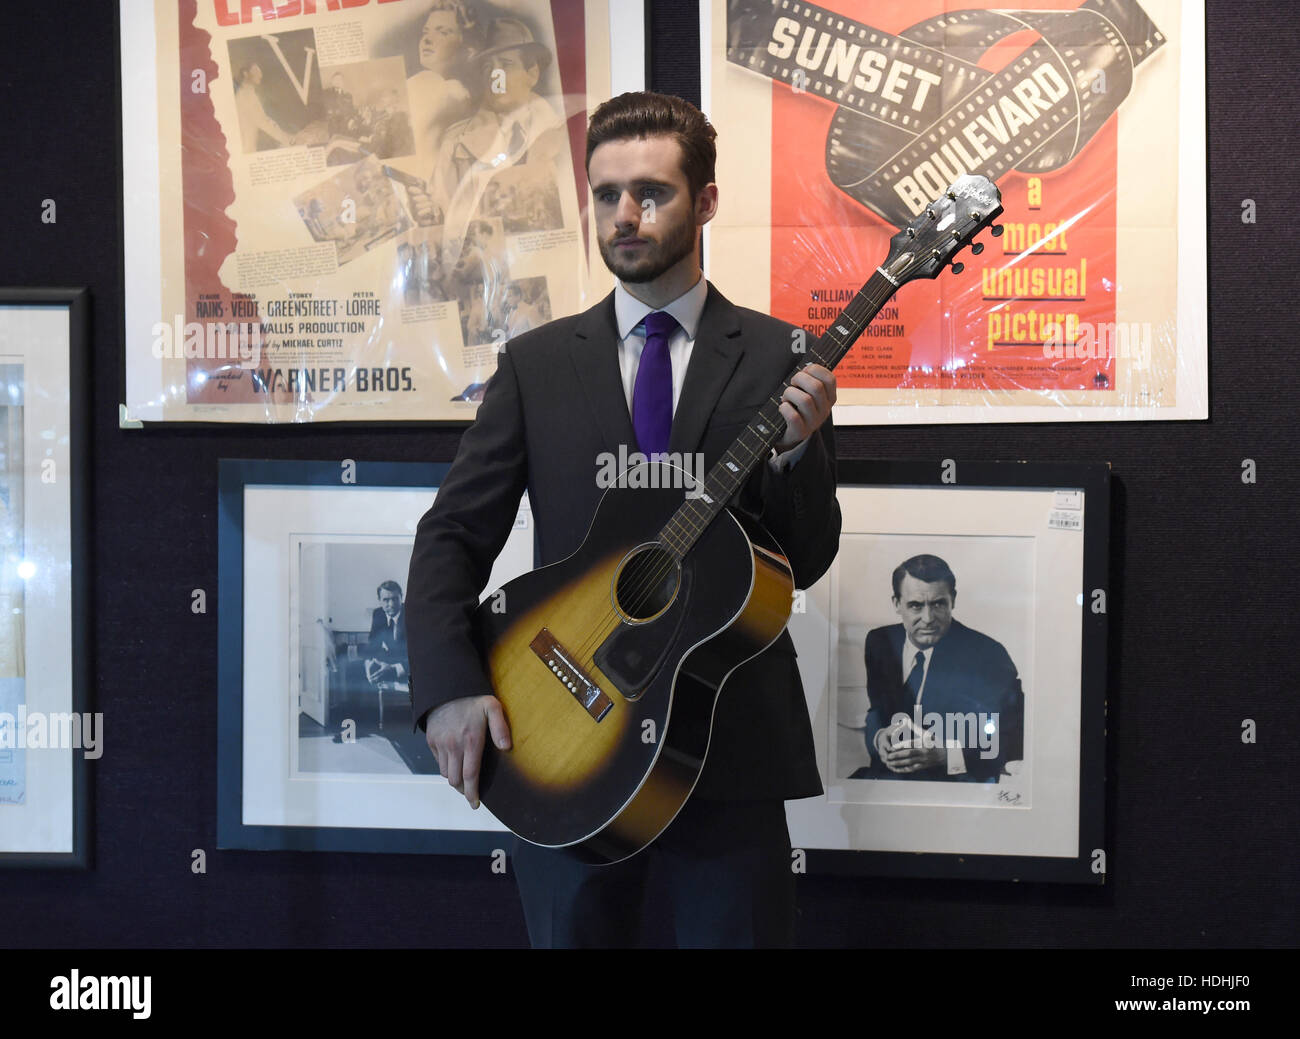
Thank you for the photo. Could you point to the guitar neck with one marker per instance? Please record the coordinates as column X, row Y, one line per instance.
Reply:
column 765, row 429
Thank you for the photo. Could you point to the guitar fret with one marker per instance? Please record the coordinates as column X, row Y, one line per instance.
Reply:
column 751, row 447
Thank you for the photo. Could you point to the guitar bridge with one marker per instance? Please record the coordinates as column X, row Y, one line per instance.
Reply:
column 594, row 701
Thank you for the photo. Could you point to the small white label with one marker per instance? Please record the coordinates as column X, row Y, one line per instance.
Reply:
column 1065, row 520
column 521, row 520
column 1068, row 500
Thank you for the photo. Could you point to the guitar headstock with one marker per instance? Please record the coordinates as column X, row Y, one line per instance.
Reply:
column 923, row 248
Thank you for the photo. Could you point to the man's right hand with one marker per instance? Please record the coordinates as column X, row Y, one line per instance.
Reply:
column 456, row 732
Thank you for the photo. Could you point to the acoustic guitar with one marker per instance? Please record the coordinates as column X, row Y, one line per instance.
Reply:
column 608, row 664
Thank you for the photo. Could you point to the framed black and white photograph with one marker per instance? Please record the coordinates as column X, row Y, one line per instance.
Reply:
column 317, row 745
column 47, row 731
column 954, row 660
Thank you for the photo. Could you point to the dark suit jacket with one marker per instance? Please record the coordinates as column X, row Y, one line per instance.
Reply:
column 968, row 672
column 383, row 644
column 557, row 401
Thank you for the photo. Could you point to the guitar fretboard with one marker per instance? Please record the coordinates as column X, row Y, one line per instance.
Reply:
column 755, row 444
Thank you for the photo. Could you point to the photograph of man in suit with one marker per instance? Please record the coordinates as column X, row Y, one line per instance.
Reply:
column 385, row 652
column 946, row 702
column 665, row 362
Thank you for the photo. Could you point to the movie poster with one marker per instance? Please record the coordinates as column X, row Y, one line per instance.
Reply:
column 13, row 639
column 1088, row 116
column 342, row 211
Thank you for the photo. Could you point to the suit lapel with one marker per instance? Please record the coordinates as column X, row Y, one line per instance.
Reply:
column 595, row 359
column 717, row 351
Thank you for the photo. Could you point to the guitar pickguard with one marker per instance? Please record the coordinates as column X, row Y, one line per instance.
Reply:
column 634, row 653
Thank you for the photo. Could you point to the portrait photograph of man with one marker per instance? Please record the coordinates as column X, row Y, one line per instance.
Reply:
column 930, row 686
column 353, row 671
column 946, row 701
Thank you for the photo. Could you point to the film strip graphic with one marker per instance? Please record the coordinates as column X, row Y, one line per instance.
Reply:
column 915, row 110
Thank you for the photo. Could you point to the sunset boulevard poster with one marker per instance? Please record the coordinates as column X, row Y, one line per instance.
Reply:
column 342, row 210
column 1090, row 119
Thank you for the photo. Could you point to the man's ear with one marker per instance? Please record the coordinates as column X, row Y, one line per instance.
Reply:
column 706, row 204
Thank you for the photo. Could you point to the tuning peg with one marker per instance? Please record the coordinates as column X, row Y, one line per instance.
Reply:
column 977, row 248
column 957, row 268
column 997, row 230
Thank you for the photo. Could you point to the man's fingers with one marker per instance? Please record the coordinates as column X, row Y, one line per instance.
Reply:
column 818, row 385
column 498, row 727
column 470, row 767
column 809, row 397
column 815, row 378
column 794, row 421
column 458, row 731
column 450, row 764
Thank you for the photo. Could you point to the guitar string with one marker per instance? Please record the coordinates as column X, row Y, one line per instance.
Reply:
column 650, row 578
column 857, row 324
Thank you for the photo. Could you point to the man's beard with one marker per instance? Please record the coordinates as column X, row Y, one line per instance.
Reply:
column 655, row 260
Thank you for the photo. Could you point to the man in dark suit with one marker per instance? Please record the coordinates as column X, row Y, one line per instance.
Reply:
column 386, row 653
column 946, row 702
column 564, row 396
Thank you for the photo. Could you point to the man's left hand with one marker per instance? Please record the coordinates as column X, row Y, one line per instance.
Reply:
column 913, row 758
column 806, row 404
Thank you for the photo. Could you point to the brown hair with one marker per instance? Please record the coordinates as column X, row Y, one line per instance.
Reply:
column 643, row 114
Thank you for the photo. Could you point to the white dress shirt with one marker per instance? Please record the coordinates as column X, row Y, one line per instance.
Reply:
column 910, row 650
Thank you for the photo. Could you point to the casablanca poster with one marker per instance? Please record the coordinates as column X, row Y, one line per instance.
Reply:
column 343, row 210
column 1089, row 117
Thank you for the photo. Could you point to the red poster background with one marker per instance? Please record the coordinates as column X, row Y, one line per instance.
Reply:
column 961, row 332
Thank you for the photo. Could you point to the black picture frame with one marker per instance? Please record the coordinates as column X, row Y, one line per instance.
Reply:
column 1087, row 865
column 64, row 415
column 358, row 810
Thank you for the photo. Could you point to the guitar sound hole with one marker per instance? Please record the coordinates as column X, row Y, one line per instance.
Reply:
column 647, row 582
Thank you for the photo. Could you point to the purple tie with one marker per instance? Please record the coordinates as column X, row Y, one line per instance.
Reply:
column 652, row 397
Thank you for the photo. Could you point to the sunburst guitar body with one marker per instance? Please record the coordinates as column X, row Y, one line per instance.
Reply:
column 609, row 663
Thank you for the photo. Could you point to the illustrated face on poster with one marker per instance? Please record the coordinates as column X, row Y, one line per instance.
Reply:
column 337, row 238
column 12, row 630
column 869, row 109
